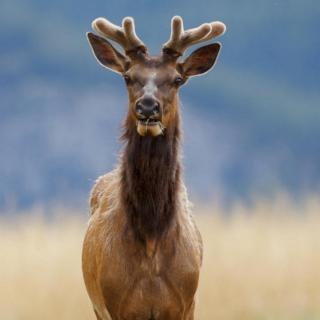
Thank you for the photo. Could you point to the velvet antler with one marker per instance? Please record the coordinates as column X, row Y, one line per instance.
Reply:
column 125, row 36
column 180, row 39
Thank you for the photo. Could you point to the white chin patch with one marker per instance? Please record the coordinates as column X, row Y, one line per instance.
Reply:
column 146, row 128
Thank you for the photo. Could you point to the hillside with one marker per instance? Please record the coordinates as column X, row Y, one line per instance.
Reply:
column 251, row 126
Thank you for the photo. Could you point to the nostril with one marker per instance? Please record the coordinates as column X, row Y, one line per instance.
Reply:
column 156, row 108
column 139, row 108
column 147, row 108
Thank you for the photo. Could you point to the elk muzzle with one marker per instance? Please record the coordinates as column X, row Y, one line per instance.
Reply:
column 148, row 108
column 148, row 114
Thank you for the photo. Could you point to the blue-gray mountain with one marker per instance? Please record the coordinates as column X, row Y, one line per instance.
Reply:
column 251, row 126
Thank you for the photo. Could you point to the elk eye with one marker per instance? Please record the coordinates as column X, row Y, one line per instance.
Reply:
column 126, row 79
column 178, row 81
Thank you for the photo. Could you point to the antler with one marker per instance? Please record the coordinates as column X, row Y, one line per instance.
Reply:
column 180, row 39
column 125, row 35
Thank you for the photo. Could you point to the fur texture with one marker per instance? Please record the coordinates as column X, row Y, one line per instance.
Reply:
column 150, row 179
column 142, row 252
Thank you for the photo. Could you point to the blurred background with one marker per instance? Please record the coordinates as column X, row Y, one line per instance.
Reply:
column 251, row 125
column 251, row 152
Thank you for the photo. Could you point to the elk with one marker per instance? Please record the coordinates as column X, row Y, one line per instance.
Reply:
column 142, row 251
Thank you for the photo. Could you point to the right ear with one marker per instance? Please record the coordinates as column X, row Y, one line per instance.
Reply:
column 106, row 54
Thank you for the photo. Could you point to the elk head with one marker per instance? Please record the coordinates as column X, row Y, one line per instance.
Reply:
column 153, row 82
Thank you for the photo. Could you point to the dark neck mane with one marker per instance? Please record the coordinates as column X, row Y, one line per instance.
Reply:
column 150, row 169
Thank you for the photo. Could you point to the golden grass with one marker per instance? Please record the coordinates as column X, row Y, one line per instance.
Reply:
column 259, row 263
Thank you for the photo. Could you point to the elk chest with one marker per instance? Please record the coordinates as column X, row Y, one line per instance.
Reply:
column 144, row 280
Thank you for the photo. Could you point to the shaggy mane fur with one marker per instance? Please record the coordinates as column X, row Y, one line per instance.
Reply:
column 150, row 179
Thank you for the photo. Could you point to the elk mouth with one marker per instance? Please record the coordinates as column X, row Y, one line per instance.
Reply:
column 152, row 127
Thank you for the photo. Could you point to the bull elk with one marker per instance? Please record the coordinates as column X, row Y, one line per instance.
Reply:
column 142, row 251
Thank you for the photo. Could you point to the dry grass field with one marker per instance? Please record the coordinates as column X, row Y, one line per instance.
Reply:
column 260, row 263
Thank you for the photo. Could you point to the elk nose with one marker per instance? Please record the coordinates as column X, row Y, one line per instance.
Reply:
column 147, row 108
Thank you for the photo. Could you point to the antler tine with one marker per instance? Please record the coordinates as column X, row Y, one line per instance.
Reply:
column 125, row 35
column 180, row 39
column 218, row 28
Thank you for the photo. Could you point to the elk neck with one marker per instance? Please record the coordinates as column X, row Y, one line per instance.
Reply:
column 150, row 179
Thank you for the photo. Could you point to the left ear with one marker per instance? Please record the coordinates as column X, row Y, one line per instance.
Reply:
column 106, row 54
column 200, row 60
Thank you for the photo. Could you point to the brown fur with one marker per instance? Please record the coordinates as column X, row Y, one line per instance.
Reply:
column 142, row 251
column 150, row 178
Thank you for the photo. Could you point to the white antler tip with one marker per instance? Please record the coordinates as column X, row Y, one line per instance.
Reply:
column 176, row 20
column 219, row 28
column 96, row 22
column 127, row 21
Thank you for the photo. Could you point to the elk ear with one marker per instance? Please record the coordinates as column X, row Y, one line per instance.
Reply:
column 200, row 60
column 106, row 54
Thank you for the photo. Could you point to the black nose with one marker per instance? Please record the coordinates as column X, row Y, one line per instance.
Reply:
column 148, row 108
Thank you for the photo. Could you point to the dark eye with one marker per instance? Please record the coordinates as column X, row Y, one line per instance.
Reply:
column 178, row 81
column 126, row 79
